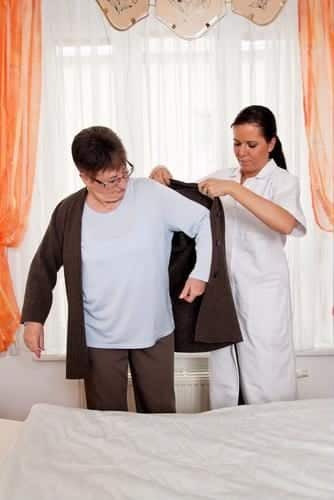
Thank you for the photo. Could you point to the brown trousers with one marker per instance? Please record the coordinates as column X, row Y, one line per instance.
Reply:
column 152, row 371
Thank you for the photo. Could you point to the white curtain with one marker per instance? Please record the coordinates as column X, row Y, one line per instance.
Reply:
column 172, row 102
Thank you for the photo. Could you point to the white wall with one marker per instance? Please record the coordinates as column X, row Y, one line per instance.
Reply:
column 320, row 376
column 24, row 381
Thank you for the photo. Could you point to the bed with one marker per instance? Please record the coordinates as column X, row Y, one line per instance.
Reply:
column 272, row 451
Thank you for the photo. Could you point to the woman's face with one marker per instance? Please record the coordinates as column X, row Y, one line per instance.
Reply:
column 108, row 186
column 251, row 148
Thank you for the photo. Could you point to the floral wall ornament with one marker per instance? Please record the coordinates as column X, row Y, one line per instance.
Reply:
column 122, row 14
column 189, row 18
column 258, row 11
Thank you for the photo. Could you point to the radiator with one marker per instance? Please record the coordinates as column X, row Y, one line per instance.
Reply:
column 192, row 391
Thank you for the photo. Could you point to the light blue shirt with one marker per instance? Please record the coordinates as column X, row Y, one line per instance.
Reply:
column 125, row 257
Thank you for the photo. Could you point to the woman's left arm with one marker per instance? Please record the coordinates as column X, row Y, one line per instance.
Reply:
column 271, row 214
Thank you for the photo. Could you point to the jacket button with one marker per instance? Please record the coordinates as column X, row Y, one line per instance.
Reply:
column 218, row 243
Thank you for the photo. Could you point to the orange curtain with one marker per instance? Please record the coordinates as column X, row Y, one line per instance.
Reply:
column 20, row 88
column 316, row 36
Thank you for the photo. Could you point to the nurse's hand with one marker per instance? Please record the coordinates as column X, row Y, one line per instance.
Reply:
column 193, row 288
column 217, row 187
column 161, row 174
column 34, row 337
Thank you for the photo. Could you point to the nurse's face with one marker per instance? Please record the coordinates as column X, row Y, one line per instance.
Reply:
column 251, row 148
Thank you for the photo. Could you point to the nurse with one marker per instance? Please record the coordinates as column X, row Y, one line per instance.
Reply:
column 262, row 207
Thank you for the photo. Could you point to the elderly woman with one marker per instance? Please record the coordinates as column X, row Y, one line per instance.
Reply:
column 113, row 239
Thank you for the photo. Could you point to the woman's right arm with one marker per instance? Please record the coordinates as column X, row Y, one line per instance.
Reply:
column 161, row 174
column 41, row 281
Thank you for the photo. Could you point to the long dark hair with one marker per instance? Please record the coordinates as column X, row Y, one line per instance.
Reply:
column 265, row 119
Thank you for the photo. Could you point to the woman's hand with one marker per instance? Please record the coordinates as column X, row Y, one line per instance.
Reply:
column 217, row 187
column 161, row 174
column 34, row 337
column 271, row 214
column 192, row 289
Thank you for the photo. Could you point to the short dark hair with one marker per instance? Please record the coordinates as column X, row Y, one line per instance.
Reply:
column 265, row 120
column 98, row 148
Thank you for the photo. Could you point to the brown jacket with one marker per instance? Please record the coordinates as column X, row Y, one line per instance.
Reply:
column 61, row 246
column 210, row 322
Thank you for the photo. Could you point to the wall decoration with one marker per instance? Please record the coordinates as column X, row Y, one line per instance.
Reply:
column 122, row 14
column 189, row 18
column 258, row 11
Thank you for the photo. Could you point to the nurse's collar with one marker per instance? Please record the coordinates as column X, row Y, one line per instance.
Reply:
column 266, row 170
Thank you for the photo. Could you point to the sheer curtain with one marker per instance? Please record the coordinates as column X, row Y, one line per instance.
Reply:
column 172, row 101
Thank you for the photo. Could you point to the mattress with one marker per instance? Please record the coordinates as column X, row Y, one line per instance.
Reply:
column 262, row 452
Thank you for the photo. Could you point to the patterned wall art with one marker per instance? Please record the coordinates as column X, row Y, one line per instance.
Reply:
column 122, row 14
column 258, row 11
column 189, row 18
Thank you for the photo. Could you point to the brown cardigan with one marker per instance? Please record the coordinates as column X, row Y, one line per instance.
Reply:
column 61, row 246
column 210, row 322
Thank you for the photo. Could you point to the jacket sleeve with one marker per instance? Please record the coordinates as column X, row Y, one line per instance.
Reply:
column 42, row 276
column 182, row 214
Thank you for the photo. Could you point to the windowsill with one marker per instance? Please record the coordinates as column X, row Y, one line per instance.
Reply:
column 329, row 351
column 50, row 357
column 179, row 355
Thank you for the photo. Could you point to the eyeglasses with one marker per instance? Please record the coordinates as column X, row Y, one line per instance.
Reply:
column 115, row 181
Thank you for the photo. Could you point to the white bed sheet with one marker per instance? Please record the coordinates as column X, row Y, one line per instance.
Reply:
column 264, row 452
